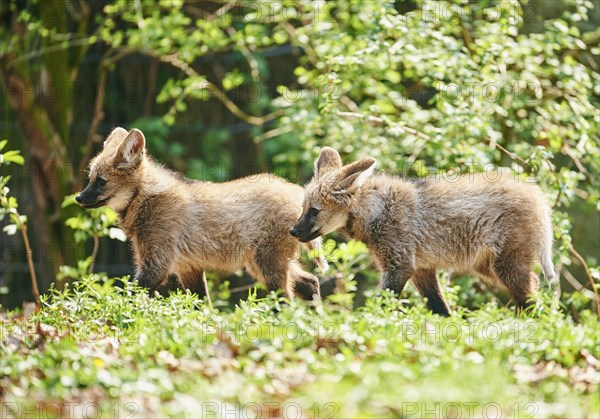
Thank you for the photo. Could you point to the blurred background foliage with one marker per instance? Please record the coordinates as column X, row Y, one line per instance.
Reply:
column 227, row 89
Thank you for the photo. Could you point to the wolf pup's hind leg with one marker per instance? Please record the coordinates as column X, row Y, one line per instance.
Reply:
column 429, row 287
column 195, row 281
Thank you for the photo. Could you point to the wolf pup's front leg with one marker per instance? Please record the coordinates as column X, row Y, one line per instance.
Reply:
column 151, row 276
column 394, row 279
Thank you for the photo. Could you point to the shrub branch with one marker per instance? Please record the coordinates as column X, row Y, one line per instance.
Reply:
column 29, row 254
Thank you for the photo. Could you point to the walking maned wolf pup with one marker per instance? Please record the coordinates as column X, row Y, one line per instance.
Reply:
column 490, row 225
column 180, row 226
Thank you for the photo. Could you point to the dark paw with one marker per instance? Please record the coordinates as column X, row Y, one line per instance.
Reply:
column 307, row 290
column 442, row 311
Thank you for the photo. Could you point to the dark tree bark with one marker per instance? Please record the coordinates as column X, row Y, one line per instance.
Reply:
column 38, row 79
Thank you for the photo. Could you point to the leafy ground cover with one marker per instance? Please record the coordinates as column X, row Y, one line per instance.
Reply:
column 100, row 350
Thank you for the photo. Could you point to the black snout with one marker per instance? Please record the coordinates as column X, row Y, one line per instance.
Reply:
column 304, row 230
column 87, row 199
column 90, row 196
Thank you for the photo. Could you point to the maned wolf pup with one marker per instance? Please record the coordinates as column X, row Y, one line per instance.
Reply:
column 180, row 226
column 492, row 226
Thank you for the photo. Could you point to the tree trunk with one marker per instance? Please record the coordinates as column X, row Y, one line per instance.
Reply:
column 41, row 94
column 47, row 177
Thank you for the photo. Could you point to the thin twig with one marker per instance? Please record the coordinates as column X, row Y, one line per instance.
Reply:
column 216, row 92
column 466, row 35
column 589, row 275
column 378, row 121
column 348, row 103
column 578, row 286
column 248, row 55
column 569, row 152
column 221, row 11
column 242, row 288
column 53, row 48
column 308, row 50
column 94, row 254
column 510, row 154
column 272, row 133
column 29, row 254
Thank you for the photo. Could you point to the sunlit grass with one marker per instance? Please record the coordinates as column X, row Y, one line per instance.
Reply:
column 116, row 350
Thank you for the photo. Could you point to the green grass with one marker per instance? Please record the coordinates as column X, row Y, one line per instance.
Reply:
column 96, row 348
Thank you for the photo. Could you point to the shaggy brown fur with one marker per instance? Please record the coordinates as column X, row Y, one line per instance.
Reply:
column 488, row 224
column 183, row 227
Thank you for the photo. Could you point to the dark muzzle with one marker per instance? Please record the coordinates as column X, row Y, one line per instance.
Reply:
column 90, row 196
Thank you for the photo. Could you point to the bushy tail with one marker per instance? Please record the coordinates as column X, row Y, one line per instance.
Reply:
column 320, row 260
column 547, row 267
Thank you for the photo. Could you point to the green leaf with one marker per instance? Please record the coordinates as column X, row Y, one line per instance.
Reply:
column 233, row 79
column 14, row 157
column 69, row 200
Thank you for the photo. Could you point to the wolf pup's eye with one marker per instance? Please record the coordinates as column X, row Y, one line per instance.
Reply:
column 313, row 212
column 100, row 181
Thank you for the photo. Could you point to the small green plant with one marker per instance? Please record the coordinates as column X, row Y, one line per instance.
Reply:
column 90, row 224
column 353, row 269
column 17, row 221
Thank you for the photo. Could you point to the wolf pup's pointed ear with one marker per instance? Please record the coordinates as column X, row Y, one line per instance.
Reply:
column 329, row 160
column 117, row 135
column 354, row 175
column 131, row 150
